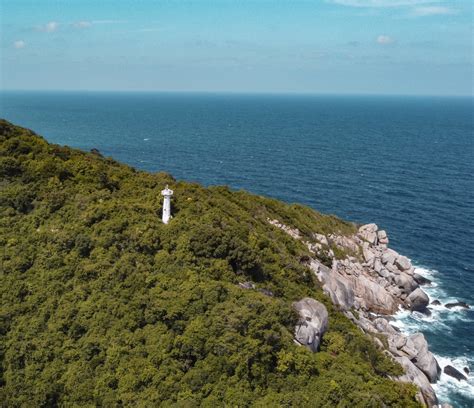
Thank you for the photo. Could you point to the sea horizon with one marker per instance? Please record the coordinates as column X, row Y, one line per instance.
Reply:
column 240, row 93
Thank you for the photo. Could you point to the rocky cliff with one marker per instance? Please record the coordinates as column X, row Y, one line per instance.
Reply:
column 370, row 282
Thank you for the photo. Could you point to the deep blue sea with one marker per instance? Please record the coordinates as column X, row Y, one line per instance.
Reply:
column 405, row 163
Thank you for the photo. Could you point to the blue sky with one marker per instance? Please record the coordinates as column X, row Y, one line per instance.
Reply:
column 320, row 46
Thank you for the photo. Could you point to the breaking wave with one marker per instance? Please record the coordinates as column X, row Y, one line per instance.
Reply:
column 440, row 323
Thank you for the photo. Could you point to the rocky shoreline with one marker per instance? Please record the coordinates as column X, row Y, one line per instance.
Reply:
column 370, row 283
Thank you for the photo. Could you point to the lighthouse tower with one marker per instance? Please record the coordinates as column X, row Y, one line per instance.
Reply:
column 166, row 193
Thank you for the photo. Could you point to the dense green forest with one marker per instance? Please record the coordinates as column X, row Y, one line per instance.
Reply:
column 103, row 305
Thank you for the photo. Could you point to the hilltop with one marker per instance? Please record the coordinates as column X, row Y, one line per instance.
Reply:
column 104, row 305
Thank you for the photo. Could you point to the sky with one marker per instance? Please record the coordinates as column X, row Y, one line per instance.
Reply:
column 420, row 47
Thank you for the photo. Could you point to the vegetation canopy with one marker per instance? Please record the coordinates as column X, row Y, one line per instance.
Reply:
column 103, row 305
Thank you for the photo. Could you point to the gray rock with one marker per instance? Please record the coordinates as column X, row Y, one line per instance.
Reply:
column 340, row 290
column 374, row 298
column 247, row 285
column 383, row 326
column 410, row 271
column 421, row 280
column 338, row 287
column 382, row 237
column 312, row 324
column 321, row 238
column 392, row 268
column 409, row 349
column 366, row 325
column 453, row 372
column 389, row 256
column 417, row 300
column 369, row 256
column 266, row 292
column 414, row 375
column 368, row 232
column 399, row 340
column 424, row 359
column 436, row 302
column 395, row 291
column 405, row 282
column 457, row 304
column 466, row 370
column 378, row 267
column 402, row 263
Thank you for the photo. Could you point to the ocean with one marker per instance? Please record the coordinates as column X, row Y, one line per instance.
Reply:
column 405, row 163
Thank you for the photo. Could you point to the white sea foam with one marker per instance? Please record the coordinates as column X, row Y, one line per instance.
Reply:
column 447, row 384
column 438, row 322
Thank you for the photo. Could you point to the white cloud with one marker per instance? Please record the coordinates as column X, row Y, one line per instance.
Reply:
column 385, row 40
column 380, row 3
column 82, row 24
column 19, row 44
column 49, row 27
column 432, row 11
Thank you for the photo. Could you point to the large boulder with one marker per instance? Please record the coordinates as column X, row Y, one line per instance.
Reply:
column 321, row 238
column 389, row 256
column 453, row 372
column 382, row 237
column 374, row 297
column 378, row 266
column 392, row 269
column 368, row 232
column 405, row 282
column 408, row 349
column 417, row 300
column 414, row 375
column 336, row 286
column 396, row 342
column 312, row 324
column 402, row 263
column 457, row 304
column 421, row 280
column 383, row 326
column 339, row 290
column 424, row 359
column 369, row 255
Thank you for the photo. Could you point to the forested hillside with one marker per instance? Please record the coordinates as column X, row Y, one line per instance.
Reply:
column 103, row 305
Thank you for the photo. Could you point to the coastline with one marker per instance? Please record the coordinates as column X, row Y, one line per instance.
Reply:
column 380, row 290
column 409, row 323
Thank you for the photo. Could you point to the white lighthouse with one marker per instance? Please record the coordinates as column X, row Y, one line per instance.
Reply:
column 166, row 193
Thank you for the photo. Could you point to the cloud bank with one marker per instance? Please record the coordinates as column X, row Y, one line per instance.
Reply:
column 48, row 27
column 432, row 11
column 380, row 3
column 19, row 44
column 385, row 40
